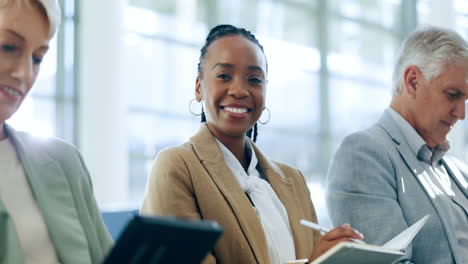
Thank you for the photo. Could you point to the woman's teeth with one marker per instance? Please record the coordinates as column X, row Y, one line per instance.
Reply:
column 236, row 110
column 10, row 91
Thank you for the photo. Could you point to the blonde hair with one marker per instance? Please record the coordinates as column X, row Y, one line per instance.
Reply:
column 50, row 8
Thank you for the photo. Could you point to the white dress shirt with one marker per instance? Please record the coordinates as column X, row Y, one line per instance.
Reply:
column 270, row 210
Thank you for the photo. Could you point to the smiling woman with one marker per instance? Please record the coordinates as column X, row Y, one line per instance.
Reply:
column 221, row 175
column 261, row 69
column 232, row 86
column 47, row 209
column 21, row 52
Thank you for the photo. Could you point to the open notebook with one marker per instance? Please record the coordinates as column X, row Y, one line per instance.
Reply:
column 163, row 240
column 350, row 252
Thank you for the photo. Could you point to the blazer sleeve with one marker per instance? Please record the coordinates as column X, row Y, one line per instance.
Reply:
column 309, row 209
column 362, row 190
column 170, row 191
column 78, row 177
column 103, row 235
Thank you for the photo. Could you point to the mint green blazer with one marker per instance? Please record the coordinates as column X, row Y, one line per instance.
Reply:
column 61, row 184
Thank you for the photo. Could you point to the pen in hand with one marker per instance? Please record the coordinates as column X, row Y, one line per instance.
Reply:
column 324, row 229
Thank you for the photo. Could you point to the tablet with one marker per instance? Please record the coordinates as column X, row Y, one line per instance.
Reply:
column 157, row 240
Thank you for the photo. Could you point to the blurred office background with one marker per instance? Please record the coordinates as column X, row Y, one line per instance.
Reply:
column 120, row 74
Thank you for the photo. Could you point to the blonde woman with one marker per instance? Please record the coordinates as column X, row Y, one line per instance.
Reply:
column 48, row 213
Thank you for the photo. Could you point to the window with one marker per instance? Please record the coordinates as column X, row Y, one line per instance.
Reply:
column 461, row 18
column 49, row 109
column 324, row 72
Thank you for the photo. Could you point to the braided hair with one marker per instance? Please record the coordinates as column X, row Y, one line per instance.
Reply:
column 218, row 32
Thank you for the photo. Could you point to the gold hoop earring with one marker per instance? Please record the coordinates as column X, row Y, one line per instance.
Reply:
column 269, row 115
column 190, row 107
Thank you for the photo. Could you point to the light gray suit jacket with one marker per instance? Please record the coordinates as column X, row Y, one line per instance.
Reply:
column 374, row 184
column 62, row 188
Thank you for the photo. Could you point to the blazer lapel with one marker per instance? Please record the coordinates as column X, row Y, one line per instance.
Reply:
column 410, row 159
column 283, row 188
column 431, row 190
column 10, row 247
column 210, row 155
column 54, row 197
column 458, row 170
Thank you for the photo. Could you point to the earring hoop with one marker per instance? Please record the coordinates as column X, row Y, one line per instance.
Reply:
column 269, row 115
column 190, row 107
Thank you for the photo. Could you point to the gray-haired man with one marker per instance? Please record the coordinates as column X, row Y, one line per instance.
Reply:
column 385, row 178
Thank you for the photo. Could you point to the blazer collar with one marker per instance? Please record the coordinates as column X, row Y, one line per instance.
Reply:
column 39, row 158
column 205, row 146
column 391, row 128
column 207, row 150
column 54, row 197
column 210, row 155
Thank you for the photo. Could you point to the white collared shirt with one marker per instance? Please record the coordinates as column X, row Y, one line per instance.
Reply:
column 270, row 210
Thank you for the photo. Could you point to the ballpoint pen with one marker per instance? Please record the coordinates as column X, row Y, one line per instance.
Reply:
column 324, row 229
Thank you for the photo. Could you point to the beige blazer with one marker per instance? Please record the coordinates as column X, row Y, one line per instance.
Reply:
column 193, row 181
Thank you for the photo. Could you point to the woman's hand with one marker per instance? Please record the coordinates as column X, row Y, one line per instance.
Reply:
column 339, row 234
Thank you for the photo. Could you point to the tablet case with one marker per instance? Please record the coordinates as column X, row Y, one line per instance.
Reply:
column 160, row 240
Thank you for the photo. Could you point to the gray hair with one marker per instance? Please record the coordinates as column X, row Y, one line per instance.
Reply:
column 430, row 49
column 50, row 8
